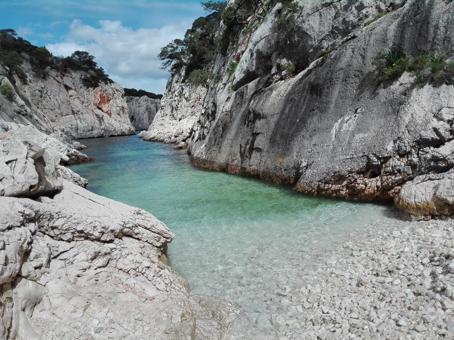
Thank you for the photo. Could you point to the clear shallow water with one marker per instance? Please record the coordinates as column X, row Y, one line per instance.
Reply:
column 236, row 238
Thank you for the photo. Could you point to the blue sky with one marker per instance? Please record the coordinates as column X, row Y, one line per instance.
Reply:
column 125, row 36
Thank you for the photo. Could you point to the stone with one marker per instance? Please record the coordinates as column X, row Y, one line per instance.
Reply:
column 428, row 195
column 27, row 171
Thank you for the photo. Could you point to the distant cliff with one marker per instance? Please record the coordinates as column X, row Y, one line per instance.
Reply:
column 72, row 96
column 143, row 107
column 337, row 98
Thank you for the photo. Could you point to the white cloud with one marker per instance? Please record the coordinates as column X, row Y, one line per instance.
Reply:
column 24, row 31
column 129, row 56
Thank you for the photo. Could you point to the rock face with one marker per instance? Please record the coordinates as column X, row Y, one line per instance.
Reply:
column 428, row 195
column 75, row 265
column 30, row 161
column 179, row 112
column 61, row 102
column 307, row 108
column 142, row 111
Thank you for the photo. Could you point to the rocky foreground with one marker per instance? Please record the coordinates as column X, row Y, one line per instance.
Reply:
column 393, row 280
column 75, row 265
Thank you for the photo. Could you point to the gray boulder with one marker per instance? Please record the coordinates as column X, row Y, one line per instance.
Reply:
column 428, row 195
column 30, row 162
column 27, row 170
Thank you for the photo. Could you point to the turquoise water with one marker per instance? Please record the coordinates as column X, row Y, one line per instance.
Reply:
column 236, row 238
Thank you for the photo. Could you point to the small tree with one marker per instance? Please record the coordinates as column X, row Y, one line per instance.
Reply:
column 173, row 55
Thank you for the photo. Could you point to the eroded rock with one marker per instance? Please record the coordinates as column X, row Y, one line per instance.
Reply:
column 428, row 195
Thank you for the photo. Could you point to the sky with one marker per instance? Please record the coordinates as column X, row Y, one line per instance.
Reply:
column 125, row 36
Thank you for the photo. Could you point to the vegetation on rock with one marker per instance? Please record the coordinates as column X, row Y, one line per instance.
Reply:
column 200, row 77
column 198, row 48
column 428, row 68
column 84, row 62
column 14, row 51
column 7, row 91
column 141, row 93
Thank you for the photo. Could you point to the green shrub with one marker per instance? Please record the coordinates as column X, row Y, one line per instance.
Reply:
column 7, row 91
column 231, row 68
column 200, row 77
column 326, row 52
column 437, row 64
column 427, row 68
column 289, row 68
column 214, row 6
column 14, row 51
column 391, row 65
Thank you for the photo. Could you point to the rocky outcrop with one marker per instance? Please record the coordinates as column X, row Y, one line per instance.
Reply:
column 61, row 102
column 142, row 111
column 30, row 161
column 80, row 265
column 72, row 96
column 178, row 113
column 428, row 195
column 77, row 265
column 297, row 98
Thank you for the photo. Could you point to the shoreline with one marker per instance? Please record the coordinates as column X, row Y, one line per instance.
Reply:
column 388, row 264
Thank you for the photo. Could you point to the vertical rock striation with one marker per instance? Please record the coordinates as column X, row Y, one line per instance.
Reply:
column 178, row 114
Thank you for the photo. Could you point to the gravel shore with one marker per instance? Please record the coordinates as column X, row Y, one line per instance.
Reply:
column 394, row 281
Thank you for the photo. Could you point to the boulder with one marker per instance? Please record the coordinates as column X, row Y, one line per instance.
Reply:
column 428, row 195
column 27, row 170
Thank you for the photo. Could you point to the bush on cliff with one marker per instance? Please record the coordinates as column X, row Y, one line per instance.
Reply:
column 198, row 48
column 14, row 51
column 82, row 61
column 200, row 77
column 427, row 68
column 141, row 93
column 7, row 91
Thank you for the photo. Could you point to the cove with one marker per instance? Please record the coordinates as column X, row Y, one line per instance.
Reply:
column 236, row 238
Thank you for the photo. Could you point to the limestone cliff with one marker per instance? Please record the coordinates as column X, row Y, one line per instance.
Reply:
column 178, row 113
column 338, row 98
column 70, row 96
column 142, row 111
